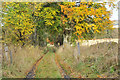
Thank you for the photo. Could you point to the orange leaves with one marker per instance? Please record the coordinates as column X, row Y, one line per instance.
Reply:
column 51, row 43
column 64, row 21
column 63, row 8
column 47, row 40
column 86, row 10
column 99, row 76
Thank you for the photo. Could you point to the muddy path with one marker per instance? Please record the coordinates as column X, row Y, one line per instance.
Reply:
column 62, row 71
column 31, row 73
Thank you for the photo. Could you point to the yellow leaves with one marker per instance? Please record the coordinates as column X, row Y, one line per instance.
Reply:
column 49, row 16
column 97, row 31
column 16, row 28
column 76, row 20
column 80, row 29
column 36, row 7
column 18, row 20
column 97, row 19
column 54, row 13
column 11, row 21
column 53, row 22
column 19, row 16
column 82, row 18
column 36, row 14
column 48, row 23
column 7, row 2
column 69, row 4
column 77, row 27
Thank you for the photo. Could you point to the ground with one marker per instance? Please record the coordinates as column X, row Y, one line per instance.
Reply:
column 94, row 61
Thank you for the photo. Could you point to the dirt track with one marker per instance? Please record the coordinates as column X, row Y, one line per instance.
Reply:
column 31, row 73
column 63, row 73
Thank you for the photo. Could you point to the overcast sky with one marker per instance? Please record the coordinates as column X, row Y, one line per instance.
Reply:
column 115, row 11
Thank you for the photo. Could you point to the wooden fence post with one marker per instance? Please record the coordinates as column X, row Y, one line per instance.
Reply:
column 6, row 52
column 78, row 48
column 10, row 56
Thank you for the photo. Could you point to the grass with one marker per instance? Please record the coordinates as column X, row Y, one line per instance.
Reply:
column 98, row 60
column 48, row 68
column 0, row 70
column 23, row 60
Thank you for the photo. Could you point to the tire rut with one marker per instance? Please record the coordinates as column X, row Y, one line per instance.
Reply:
column 31, row 73
column 62, row 71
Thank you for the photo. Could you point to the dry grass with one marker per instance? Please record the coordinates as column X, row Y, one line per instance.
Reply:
column 23, row 60
column 96, row 60
column 100, row 59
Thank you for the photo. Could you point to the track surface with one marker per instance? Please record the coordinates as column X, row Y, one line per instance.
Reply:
column 31, row 73
column 62, row 71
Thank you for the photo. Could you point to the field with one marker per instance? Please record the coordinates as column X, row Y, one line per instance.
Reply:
column 99, row 60
column 23, row 60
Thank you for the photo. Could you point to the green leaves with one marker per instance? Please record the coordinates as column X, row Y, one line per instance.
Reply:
column 19, row 21
column 23, row 18
column 48, row 16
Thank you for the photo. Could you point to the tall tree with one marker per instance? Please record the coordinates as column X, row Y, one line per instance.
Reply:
column 18, row 21
column 86, row 19
column 42, row 20
column 48, row 21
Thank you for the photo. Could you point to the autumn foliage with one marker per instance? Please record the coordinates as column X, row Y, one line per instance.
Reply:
column 88, row 18
column 24, row 21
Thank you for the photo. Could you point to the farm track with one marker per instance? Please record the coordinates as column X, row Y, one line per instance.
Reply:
column 62, row 71
column 31, row 73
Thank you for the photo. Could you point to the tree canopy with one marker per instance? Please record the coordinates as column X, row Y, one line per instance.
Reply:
column 86, row 19
column 25, row 22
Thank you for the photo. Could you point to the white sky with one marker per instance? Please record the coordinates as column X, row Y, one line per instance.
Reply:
column 114, row 16
column 115, row 13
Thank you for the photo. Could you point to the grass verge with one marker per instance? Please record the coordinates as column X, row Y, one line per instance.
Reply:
column 98, row 60
column 48, row 68
column 23, row 60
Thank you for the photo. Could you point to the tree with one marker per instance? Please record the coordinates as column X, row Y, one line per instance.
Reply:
column 34, row 22
column 48, row 20
column 18, row 22
column 85, row 20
